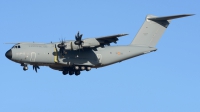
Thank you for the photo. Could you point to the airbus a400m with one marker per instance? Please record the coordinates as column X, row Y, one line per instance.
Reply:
column 72, row 57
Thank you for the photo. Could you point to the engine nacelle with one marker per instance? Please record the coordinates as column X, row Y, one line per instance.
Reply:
column 71, row 46
column 91, row 42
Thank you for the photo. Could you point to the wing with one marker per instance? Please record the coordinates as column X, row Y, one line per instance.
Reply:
column 106, row 40
column 101, row 41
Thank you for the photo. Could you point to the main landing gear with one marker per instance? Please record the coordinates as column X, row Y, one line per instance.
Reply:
column 71, row 72
column 65, row 72
column 75, row 70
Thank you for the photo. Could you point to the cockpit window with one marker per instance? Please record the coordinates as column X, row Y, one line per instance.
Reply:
column 16, row 46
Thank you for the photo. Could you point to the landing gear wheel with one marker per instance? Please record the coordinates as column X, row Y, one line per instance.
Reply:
column 25, row 68
column 77, row 73
column 88, row 68
column 71, row 72
column 65, row 72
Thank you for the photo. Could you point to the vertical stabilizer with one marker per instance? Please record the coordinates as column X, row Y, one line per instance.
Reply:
column 152, row 29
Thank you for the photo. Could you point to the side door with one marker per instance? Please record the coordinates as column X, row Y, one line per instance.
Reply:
column 33, row 57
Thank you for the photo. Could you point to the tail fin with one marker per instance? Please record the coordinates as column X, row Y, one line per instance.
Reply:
column 152, row 29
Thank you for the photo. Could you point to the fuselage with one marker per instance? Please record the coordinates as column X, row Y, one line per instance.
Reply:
column 45, row 55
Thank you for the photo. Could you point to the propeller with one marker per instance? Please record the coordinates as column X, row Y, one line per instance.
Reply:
column 35, row 67
column 78, row 38
column 62, row 47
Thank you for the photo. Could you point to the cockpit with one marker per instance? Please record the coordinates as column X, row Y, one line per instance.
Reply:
column 16, row 46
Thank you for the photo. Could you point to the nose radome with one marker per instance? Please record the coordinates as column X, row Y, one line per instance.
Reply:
column 9, row 54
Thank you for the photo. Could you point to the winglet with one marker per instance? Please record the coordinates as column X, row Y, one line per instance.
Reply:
column 169, row 17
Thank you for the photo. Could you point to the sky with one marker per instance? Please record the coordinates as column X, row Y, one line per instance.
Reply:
column 167, row 80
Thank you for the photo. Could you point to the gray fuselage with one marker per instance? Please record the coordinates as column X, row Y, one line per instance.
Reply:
column 45, row 54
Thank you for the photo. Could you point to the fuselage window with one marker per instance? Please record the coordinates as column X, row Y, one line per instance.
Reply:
column 15, row 46
column 19, row 46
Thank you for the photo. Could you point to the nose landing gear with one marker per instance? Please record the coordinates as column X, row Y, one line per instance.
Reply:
column 25, row 67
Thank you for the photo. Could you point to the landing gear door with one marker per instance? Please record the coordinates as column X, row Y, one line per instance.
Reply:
column 99, row 58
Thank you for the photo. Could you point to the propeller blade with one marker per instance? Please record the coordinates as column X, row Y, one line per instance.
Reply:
column 78, row 38
column 38, row 67
column 63, row 42
column 81, row 36
column 36, row 70
column 78, row 34
column 61, row 51
column 35, row 67
column 62, row 47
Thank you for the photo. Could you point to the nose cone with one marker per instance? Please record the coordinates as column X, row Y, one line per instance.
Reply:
column 9, row 54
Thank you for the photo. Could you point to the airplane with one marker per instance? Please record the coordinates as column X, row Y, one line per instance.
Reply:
column 72, row 57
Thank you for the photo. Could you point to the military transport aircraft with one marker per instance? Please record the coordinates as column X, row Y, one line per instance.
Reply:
column 72, row 57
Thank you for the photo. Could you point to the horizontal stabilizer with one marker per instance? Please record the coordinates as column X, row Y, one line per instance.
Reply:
column 169, row 17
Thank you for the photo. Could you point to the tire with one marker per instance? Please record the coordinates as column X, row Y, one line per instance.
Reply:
column 71, row 72
column 77, row 73
column 25, row 68
column 65, row 72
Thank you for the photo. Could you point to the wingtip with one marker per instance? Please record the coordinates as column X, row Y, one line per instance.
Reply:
column 11, row 43
column 191, row 14
column 188, row 14
column 123, row 34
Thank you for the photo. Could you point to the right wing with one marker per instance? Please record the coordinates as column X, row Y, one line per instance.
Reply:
column 101, row 41
column 106, row 40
